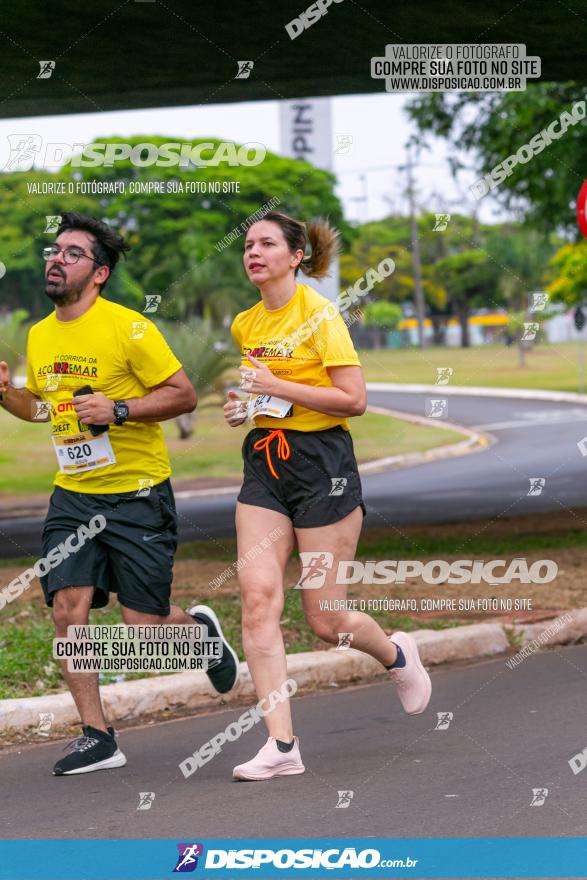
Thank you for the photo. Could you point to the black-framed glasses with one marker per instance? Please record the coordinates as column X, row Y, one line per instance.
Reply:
column 71, row 255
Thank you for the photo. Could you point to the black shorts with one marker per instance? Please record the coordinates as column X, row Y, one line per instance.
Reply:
column 318, row 484
column 132, row 554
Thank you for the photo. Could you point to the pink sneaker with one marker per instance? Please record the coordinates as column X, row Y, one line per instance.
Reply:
column 269, row 762
column 412, row 681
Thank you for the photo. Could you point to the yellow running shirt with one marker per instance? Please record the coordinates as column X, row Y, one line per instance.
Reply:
column 297, row 342
column 116, row 351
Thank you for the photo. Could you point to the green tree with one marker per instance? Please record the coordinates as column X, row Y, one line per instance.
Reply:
column 525, row 329
column 489, row 127
column 470, row 279
column 174, row 235
column 383, row 316
column 521, row 255
column 13, row 335
column 568, row 274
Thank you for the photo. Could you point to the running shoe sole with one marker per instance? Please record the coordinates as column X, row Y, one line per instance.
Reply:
column 293, row 770
column 118, row 759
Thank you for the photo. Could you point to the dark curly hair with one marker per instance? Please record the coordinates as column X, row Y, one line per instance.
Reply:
column 107, row 244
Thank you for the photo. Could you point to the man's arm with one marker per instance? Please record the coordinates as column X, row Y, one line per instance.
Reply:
column 167, row 400
column 171, row 398
column 19, row 402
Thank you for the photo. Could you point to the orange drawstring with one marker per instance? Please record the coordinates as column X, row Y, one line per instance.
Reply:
column 283, row 450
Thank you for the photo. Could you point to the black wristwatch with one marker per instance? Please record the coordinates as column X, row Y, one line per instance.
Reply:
column 120, row 412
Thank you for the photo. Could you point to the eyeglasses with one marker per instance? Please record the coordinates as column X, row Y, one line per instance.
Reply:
column 71, row 255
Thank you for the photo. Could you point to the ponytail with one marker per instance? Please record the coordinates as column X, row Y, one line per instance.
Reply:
column 323, row 239
column 325, row 245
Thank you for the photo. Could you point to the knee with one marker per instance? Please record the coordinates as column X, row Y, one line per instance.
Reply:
column 261, row 606
column 70, row 607
column 327, row 626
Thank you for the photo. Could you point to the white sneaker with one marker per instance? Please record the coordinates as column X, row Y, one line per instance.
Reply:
column 412, row 681
column 270, row 762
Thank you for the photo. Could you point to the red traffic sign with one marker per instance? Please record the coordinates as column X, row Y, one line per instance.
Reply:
column 582, row 209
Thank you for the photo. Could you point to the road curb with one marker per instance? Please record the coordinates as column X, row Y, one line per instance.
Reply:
column 132, row 700
column 476, row 441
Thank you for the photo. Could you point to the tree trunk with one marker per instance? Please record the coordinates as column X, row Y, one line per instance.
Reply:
column 464, row 322
column 185, row 425
column 438, row 330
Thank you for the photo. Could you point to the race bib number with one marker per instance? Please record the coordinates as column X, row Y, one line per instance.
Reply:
column 267, row 405
column 83, row 452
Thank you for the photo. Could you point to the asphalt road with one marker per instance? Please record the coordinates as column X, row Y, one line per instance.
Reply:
column 534, row 439
column 512, row 731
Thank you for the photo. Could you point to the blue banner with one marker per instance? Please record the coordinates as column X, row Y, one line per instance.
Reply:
column 288, row 858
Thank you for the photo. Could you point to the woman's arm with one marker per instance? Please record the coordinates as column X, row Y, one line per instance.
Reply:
column 346, row 397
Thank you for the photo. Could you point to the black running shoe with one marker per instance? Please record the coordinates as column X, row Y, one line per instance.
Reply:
column 95, row 750
column 223, row 671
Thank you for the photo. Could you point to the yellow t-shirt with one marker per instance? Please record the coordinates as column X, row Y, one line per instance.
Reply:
column 297, row 342
column 116, row 351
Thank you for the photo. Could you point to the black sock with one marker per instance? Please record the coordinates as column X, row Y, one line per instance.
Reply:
column 283, row 746
column 102, row 734
column 400, row 660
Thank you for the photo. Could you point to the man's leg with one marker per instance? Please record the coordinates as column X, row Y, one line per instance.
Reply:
column 176, row 615
column 71, row 606
column 223, row 671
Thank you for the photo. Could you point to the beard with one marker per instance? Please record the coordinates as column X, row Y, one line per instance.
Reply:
column 64, row 294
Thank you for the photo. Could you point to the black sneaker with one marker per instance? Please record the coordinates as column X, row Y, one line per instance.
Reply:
column 223, row 672
column 95, row 750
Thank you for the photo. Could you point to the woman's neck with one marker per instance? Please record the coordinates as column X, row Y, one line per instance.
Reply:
column 276, row 294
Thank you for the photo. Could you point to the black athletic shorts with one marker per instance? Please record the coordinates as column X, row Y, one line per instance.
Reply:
column 132, row 555
column 310, row 476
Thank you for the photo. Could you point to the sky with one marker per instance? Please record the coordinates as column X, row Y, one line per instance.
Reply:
column 370, row 185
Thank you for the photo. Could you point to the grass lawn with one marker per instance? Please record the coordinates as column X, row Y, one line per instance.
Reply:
column 552, row 367
column 28, row 669
column 27, row 459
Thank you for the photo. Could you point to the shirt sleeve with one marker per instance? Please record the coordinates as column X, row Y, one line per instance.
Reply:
column 149, row 356
column 236, row 334
column 334, row 344
column 31, row 382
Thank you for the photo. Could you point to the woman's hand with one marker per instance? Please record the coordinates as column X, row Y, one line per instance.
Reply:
column 259, row 380
column 235, row 410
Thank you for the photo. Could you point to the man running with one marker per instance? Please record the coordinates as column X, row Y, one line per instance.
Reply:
column 119, row 471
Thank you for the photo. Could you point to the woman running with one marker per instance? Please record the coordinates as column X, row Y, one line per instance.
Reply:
column 301, row 481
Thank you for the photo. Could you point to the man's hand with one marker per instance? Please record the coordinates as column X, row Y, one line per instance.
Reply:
column 19, row 402
column 260, row 380
column 4, row 377
column 94, row 409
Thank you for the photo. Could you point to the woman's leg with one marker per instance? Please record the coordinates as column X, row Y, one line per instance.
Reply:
column 262, row 596
column 411, row 679
column 341, row 539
